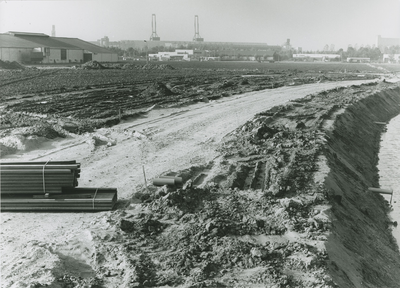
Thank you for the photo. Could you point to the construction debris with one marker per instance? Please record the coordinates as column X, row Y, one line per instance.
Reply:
column 93, row 65
column 167, row 180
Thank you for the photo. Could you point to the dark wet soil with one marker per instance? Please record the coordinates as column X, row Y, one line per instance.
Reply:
column 93, row 98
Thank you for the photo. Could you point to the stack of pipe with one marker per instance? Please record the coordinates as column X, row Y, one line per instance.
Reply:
column 38, row 177
column 49, row 185
column 71, row 199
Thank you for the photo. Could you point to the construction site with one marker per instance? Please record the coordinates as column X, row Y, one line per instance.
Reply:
column 196, row 174
column 196, row 164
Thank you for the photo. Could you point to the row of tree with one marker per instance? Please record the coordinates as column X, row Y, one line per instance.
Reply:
column 365, row 52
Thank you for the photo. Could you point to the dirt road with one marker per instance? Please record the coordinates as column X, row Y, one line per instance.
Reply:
column 163, row 140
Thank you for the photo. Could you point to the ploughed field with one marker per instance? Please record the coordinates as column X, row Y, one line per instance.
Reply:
column 80, row 99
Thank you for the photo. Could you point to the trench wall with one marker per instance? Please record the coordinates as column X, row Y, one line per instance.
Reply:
column 362, row 251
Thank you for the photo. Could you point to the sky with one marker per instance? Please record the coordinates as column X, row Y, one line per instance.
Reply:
column 310, row 24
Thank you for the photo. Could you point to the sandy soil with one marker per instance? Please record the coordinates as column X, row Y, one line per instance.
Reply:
column 33, row 245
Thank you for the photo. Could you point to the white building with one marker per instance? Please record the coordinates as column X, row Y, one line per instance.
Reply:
column 178, row 54
column 391, row 58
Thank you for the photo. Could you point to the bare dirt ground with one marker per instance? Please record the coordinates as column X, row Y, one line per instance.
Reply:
column 204, row 235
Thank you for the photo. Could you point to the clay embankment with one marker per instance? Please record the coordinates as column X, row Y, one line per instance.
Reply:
column 361, row 249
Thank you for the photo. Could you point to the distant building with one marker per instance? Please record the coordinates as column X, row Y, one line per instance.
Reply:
column 298, row 49
column 287, row 45
column 91, row 51
column 383, row 43
column 40, row 48
column 104, row 42
column 178, row 54
column 391, row 58
column 141, row 45
column 206, row 55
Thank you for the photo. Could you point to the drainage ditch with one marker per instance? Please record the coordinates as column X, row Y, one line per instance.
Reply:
column 389, row 170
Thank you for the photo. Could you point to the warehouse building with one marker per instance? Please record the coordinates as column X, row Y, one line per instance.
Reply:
column 90, row 51
column 16, row 49
column 40, row 48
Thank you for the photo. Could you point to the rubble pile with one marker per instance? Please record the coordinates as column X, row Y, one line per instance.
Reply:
column 11, row 65
column 200, row 237
column 93, row 65
column 157, row 89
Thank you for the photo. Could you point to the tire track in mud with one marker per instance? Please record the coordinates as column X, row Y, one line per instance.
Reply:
column 180, row 138
column 42, row 74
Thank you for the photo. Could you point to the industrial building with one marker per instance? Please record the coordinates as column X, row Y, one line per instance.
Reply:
column 201, row 50
column 26, row 47
column 178, row 54
column 383, row 43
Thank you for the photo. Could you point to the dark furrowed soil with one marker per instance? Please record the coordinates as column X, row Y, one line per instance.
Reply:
column 91, row 99
column 61, row 80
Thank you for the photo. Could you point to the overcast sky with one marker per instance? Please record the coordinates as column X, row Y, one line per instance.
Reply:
column 307, row 23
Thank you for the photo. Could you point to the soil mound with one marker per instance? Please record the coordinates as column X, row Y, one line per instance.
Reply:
column 11, row 65
column 93, row 65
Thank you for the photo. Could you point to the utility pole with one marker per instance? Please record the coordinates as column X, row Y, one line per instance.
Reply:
column 147, row 52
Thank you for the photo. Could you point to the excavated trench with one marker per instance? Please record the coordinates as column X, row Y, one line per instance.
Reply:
column 362, row 251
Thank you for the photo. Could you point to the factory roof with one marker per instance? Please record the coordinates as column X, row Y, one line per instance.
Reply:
column 15, row 33
column 9, row 41
column 83, row 45
column 47, row 42
column 35, row 40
